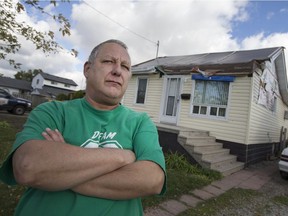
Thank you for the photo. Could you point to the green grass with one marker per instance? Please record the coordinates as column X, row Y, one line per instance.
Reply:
column 230, row 199
column 182, row 177
column 9, row 196
column 233, row 199
column 7, row 135
column 283, row 200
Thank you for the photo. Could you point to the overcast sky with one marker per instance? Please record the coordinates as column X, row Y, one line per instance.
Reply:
column 182, row 27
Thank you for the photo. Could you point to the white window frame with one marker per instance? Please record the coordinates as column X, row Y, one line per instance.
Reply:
column 208, row 107
column 137, row 88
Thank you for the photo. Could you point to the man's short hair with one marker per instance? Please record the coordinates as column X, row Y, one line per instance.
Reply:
column 94, row 52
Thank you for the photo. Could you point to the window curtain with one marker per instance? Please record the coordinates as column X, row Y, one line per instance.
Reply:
column 211, row 92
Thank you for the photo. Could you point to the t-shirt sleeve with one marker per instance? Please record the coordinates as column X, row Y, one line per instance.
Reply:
column 147, row 147
column 39, row 119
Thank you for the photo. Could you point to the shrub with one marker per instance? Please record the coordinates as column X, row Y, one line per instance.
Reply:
column 4, row 124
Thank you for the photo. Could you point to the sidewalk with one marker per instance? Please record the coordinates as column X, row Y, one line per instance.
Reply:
column 253, row 177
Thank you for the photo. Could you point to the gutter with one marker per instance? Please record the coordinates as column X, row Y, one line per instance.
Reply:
column 144, row 70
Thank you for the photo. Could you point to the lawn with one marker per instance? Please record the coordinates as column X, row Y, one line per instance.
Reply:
column 9, row 196
column 182, row 177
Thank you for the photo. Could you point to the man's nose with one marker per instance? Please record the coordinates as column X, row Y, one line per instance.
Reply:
column 116, row 69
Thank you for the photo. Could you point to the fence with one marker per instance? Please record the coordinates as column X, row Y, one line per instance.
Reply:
column 21, row 95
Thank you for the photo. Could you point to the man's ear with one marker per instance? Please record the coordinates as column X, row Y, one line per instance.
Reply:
column 86, row 69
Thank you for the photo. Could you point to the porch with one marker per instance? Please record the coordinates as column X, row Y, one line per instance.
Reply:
column 198, row 147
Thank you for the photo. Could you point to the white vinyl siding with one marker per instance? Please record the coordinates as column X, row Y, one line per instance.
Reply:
column 246, row 121
column 152, row 98
column 265, row 125
column 234, row 128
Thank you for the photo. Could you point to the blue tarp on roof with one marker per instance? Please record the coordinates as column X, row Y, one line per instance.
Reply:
column 213, row 78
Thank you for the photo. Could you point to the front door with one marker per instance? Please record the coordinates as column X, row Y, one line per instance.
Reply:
column 170, row 104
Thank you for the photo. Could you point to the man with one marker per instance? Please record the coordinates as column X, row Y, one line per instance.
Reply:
column 89, row 156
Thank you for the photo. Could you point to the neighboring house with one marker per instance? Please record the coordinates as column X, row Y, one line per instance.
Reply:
column 48, row 85
column 15, row 86
column 239, row 97
column 44, row 87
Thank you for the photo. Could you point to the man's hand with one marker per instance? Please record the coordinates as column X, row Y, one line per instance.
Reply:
column 116, row 185
column 139, row 179
column 56, row 136
column 48, row 165
column 51, row 135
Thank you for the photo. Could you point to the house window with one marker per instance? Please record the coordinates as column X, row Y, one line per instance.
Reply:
column 210, row 98
column 67, row 85
column 141, row 91
column 37, row 81
column 54, row 83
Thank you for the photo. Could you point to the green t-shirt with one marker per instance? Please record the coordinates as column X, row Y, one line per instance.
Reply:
column 82, row 125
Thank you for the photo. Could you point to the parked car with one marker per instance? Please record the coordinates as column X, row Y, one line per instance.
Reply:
column 13, row 104
column 283, row 163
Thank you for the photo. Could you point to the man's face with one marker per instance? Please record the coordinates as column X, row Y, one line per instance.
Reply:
column 108, row 76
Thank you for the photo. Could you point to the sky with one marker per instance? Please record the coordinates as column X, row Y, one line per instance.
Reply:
column 182, row 27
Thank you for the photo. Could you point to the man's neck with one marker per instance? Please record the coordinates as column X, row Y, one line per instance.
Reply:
column 100, row 106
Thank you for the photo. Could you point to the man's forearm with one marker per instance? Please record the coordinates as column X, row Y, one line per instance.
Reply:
column 51, row 165
column 138, row 179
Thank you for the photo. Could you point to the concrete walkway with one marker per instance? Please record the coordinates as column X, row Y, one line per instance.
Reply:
column 253, row 177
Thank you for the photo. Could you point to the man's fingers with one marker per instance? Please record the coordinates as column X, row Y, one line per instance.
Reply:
column 59, row 136
column 53, row 135
column 46, row 136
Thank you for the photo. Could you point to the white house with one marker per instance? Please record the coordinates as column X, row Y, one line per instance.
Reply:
column 50, row 85
column 239, row 97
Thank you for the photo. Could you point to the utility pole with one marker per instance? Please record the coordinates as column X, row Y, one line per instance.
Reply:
column 158, row 43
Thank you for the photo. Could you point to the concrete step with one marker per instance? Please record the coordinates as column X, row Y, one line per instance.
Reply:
column 214, row 163
column 207, row 152
column 213, row 154
column 195, row 140
column 192, row 133
column 203, row 146
column 230, row 168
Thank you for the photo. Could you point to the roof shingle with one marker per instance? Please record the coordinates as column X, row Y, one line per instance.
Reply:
column 12, row 83
column 58, row 79
column 233, row 61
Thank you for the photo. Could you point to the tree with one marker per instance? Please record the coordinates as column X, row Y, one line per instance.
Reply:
column 78, row 94
column 27, row 75
column 62, row 97
column 11, row 29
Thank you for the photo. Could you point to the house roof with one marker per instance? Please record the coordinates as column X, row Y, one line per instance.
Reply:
column 241, row 62
column 51, row 91
column 233, row 63
column 58, row 79
column 15, row 83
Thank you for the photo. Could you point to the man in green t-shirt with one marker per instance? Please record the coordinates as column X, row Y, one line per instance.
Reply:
column 89, row 156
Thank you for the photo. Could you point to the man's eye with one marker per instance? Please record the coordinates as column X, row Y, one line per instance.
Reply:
column 126, row 67
column 107, row 61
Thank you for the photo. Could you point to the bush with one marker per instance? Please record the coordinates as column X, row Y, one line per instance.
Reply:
column 4, row 124
column 78, row 94
column 62, row 97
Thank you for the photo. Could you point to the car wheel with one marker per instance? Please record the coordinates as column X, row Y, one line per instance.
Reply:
column 284, row 175
column 19, row 110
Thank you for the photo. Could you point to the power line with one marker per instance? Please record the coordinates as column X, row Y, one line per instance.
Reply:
column 119, row 24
